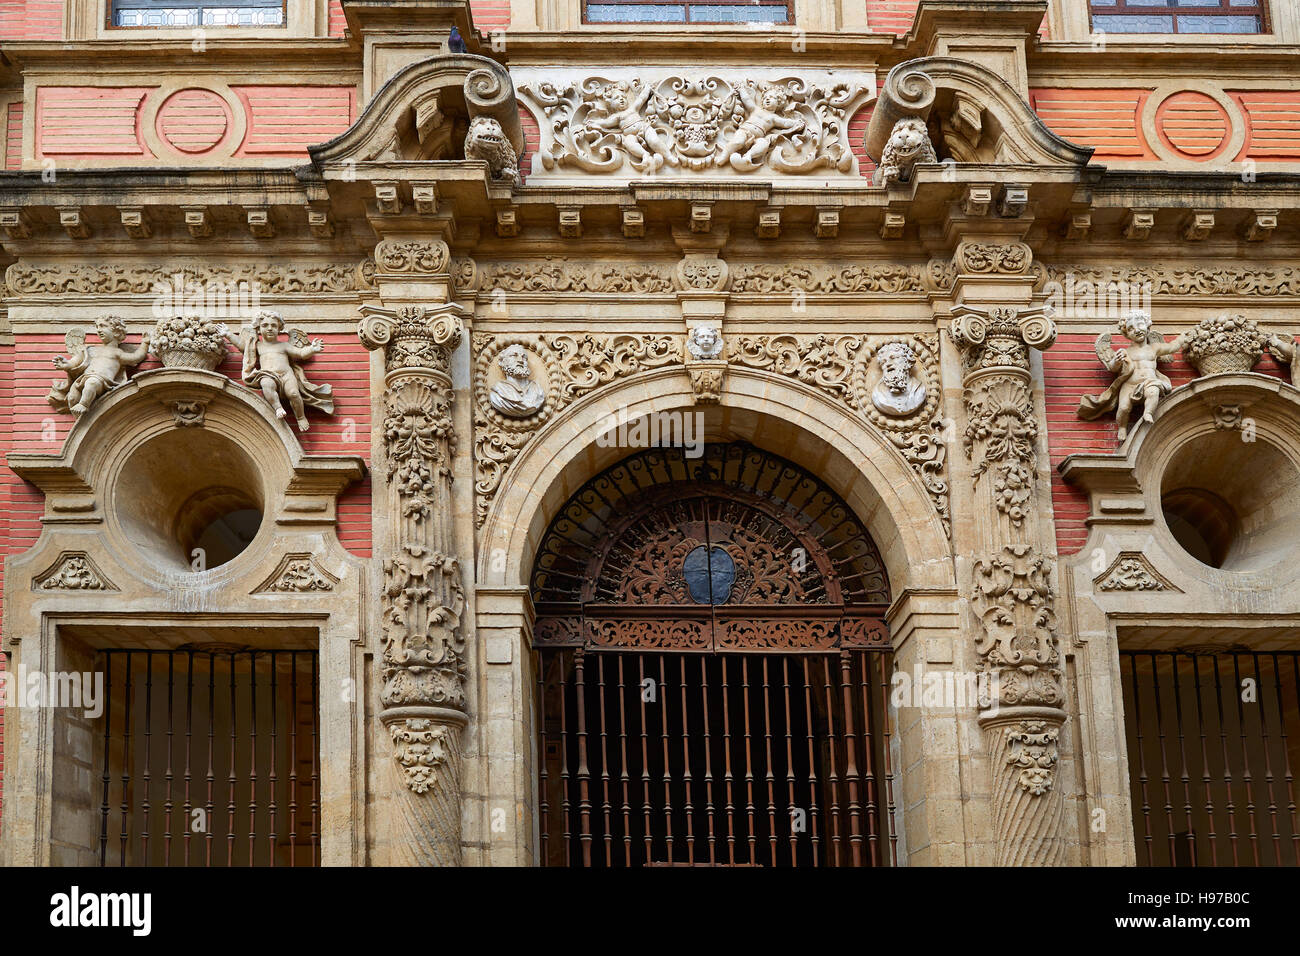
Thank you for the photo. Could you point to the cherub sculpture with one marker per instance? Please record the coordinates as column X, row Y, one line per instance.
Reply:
column 645, row 145
column 704, row 343
column 270, row 365
column 1137, row 376
column 94, row 369
column 486, row 140
column 908, row 144
column 1287, row 352
column 769, row 117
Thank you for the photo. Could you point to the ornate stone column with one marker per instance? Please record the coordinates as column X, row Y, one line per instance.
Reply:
column 423, row 695
column 1011, row 592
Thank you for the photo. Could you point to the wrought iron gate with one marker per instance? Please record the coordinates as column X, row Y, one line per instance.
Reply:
column 209, row 758
column 721, row 759
column 1213, row 741
column 713, row 672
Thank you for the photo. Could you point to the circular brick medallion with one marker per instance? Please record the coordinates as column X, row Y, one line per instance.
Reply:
column 1194, row 124
column 193, row 121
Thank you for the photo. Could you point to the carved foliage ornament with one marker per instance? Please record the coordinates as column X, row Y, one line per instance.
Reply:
column 421, row 749
column 843, row 367
column 1012, row 598
column 1162, row 281
column 298, row 573
column 988, row 257
column 412, row 337
column 1032, row 751
column 703, row 124
column 1132, row 572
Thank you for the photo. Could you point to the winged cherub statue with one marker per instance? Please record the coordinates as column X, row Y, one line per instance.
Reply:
column 271, row 365
column 94, row 369
column 1138, row 378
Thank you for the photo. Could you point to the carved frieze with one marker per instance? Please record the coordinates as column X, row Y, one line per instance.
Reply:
column 724, row 122
column 269, row 279
column 555, row 275
column 1159, row 280
column 884, row 278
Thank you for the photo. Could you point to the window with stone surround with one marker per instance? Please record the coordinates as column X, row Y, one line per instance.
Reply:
column 196, row 13
column 1179, row 16
column 666, row 11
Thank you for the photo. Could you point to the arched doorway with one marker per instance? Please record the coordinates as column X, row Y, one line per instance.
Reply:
column 714, row 669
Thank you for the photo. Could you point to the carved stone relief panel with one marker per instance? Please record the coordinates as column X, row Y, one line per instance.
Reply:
column 727, row 122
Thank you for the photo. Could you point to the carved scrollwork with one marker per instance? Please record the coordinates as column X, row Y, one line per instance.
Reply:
column 699, row 274
column 423, row 256
column 1159, row 280
column 842, row 368
column 677, row 635
column 982, row 258
column 298, row 573
column 1132, row 572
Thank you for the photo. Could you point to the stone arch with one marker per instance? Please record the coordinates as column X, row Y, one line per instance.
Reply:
column 769, row 411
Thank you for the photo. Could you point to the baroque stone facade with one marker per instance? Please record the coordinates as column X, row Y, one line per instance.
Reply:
column 518, row 370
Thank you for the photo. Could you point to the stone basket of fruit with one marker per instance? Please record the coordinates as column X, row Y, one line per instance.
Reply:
column 1226, row 343
column 190, row 342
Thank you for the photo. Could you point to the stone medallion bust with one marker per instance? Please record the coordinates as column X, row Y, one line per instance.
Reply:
column 516, row 395
column 898, row 392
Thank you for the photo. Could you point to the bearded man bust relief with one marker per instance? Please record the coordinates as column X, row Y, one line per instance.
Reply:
column 898, row 392
column 516, row 395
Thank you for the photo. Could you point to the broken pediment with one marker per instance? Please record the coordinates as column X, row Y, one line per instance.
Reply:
column 972, row 114
column 424, row 113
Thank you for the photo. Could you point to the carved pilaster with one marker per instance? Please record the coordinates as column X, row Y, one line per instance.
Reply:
column 1011, row 595
column 423, row 665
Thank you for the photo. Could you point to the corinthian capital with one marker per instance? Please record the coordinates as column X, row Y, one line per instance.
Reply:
column 1001, row 337
column 413, row 337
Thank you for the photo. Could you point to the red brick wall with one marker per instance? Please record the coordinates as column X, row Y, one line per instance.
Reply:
column 532, row 140
column 31, row 19
column 890, row 16
column 13, row 136
column 1104, row 119
column 338, row 24
column 858, row 124
column 490, row 15
column 82, row 122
